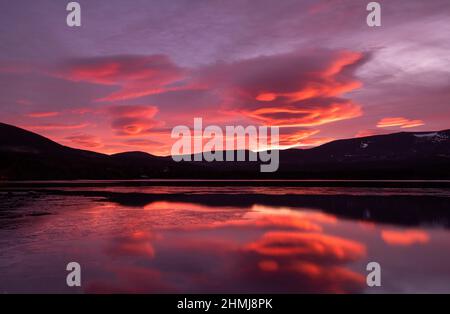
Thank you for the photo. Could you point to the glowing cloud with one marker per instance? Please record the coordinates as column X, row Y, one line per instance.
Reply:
column 56, row 126
column 296, row 89
column 42, row 114
column 136, row 76
column 371, row 132
column 399, row 122
column 305, row 114
column 133, row 120
column 85, row 140
column 295, row 138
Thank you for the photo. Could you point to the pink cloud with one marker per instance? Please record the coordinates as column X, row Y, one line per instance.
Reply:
column 305, row 113
column 56, row 126
column 44, row 114
column 292, row 137
column 371, row 132
column 297, row 89
column 134, row 120
column 142, row 143
column 399, row 122
column 85, row 140
column 136, row 76
column 24, row 102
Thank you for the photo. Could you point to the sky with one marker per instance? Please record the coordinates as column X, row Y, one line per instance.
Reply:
column 135, row 69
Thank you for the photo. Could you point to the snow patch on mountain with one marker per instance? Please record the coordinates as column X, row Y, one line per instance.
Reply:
column 433, row 136
column 364, row 145
column 426, row 134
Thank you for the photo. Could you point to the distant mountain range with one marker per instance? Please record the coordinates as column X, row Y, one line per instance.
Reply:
column 407, row 155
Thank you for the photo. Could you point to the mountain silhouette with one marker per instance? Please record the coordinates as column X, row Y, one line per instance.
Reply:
column 25, row 155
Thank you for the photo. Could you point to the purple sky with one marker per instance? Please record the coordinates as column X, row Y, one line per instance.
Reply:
column 135, row 69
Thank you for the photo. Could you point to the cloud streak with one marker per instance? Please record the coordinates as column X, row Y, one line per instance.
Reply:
column 135, row 76
column 42, row 114
column 297, row 89
column 85, row 140
column 399, row 122
column 133, row 120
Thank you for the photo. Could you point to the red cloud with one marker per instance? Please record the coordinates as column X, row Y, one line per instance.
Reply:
column 296, row 89
column 133, row 120
column 292, row 137
column 399, row 122
column 323, row 83
column 137, row 76
column 315, row 141
column 141, row 142
column 371, row 132
column 296, row 138
column 42, row 114
column 305, row 113
column 24, row 102
column 16, row 67
column 56, row 126
column 82, row 111
column 85, row 140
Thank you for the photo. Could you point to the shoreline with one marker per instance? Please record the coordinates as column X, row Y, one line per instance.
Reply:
column 228, row 182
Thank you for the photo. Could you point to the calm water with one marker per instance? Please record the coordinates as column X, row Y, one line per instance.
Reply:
column 224, row 239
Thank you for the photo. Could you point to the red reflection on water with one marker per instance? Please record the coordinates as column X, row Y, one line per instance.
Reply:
column 137, row 243
column 268, row 265
column 191, row 248
column 335, row 279
column 307, row 245
column 235, row 259
column 367, row 225
column 131, row 279
column 263, row 217
column 272, row 221
column 405, row 237
column 168, row 246
column 253, row 252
